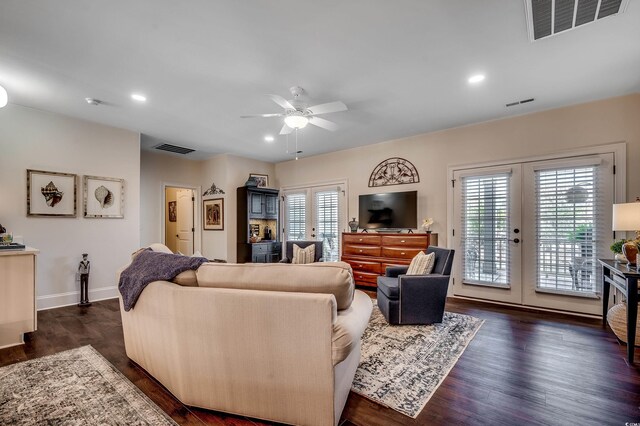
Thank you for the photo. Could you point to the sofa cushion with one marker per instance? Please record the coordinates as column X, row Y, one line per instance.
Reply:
column 302, row 256
column 349, row 326
column 389, row 286
column 325, row 277
column 186, row 278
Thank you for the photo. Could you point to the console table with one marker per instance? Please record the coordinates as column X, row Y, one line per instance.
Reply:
column 17, row 295
column 626, row 280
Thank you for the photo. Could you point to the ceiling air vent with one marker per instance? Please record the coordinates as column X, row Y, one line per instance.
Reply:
column 524, row 101
column 173, row 148
column 549, row 17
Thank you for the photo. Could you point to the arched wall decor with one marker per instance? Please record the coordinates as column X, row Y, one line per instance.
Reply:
column 394, row 171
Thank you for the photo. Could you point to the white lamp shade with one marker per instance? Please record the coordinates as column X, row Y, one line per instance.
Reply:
column 626, row 217
column 296, row 121
column 4, row 99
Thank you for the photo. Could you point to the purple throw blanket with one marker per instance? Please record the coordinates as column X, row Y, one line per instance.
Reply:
column 149, row 266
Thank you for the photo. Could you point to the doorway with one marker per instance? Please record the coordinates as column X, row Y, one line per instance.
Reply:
column 179, row 229
column 316, row 213
column 530, row 232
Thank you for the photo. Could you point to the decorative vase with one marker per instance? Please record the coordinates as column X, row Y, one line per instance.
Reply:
column 620, row 258
column 353, row 225
column 630, row 251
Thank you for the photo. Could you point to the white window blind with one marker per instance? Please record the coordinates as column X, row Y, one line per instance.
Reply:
column 569, row 223
column 296, row 216
column 485, row 229
column 327, row 211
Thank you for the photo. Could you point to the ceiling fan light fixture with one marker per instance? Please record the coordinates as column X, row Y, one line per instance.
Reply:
column 296, row 121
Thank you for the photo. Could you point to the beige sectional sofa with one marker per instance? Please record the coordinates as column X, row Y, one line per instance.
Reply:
column 277, row 342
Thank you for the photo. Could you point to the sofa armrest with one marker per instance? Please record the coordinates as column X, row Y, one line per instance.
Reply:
column 423, row 296
column 349, row 326
column 395, row 271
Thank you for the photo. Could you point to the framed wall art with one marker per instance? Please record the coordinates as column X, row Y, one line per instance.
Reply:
column 261, row 180
column 103, row 197
column 213, row 214
column 173, row 211
column 51, row 194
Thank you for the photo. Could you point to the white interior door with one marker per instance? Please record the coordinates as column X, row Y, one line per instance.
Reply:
column 487, row 239
column 185, row 226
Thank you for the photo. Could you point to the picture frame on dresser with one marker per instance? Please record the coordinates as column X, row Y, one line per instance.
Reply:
column 51, row 194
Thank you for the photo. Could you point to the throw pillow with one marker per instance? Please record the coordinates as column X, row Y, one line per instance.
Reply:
column 304, row 255
column 422, row 264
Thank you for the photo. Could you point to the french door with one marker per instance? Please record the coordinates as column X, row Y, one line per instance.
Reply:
column 530, row 233
column 316, row 213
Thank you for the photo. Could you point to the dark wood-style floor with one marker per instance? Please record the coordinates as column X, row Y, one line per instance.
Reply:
column 521, row 368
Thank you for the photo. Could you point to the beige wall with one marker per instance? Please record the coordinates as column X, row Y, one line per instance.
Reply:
column 157, row 170
column 33, row 139
column 227, row 171
column 547, row 132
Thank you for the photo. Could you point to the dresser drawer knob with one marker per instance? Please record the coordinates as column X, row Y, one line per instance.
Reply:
column 360, row 239
column 360, row 250
column 402, row 253
column 359, row 266
column 402, row 241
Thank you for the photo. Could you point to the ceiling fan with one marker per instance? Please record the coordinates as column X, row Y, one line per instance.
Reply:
column 297, row 114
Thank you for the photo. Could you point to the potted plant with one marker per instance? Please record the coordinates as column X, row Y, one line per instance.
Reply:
column 616, row 248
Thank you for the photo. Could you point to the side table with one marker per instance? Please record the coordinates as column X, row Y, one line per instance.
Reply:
column 624, row 279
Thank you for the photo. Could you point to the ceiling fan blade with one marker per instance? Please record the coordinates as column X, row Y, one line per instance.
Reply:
column 262, row 115
column 281, row 101
column 285, row 130
column 327, row 108
column 325, row 124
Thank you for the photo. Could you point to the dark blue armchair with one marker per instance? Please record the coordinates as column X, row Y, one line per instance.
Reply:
column 416, row 299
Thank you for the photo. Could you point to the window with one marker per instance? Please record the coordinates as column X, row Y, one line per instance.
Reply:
column 295, row 216
column 567, row 228
column 485, row 229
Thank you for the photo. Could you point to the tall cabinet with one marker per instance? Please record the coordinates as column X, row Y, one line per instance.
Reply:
column 258, row 214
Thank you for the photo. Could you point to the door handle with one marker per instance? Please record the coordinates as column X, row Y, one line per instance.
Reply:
column 313, row 235
column 516, row 240
column 177, row 235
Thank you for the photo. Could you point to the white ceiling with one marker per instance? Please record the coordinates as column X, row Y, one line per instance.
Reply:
column 400, row 66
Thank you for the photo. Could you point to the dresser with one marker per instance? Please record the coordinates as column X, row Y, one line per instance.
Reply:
column 370, row 254
column 17, row 295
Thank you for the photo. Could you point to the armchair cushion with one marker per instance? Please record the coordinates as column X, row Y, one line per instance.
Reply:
column 389, row 286
column 288, row 253
column 305, row 255
column 422, row 264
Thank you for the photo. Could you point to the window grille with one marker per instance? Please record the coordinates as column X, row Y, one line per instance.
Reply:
column 327, row 211
column 296, row 216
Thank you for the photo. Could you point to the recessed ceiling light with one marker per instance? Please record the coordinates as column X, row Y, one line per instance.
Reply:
column 476, row 78
column 138, row 97
column 269, row 138
column 4, row 98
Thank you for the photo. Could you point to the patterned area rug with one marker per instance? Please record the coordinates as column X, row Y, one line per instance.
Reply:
column 403, row 365
column 76, row 387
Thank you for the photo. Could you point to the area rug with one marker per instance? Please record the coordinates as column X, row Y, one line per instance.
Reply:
column 403, row 365
column 75, row 387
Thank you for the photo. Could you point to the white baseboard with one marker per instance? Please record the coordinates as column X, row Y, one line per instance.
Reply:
column 51, row 301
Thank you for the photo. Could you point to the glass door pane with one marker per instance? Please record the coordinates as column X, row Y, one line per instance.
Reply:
column 327, row 222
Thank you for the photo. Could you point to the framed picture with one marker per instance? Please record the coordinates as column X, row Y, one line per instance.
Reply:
column 213, row 214
column 103, row 197
column 173, row 213
column 263, row 180
column 51, row 194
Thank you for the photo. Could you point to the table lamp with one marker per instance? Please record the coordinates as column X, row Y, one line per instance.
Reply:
column 626, row 217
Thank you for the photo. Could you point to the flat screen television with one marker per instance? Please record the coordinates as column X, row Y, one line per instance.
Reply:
column 393, row 210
